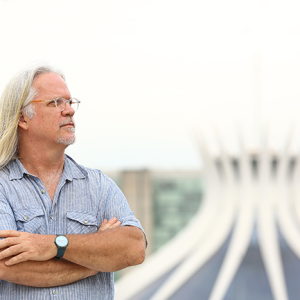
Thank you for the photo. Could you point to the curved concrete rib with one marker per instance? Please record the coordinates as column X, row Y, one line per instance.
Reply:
column 270, row 252
column 288, row 226
column 220, row 229
column 161, row 262
column 242, row 233
column 166, row 258
column 268, row 240
column 235, row 253
column 218, row 233
column 286, row 221
column 296, row 190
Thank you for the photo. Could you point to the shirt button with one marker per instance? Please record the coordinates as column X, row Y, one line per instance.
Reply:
column 25, row 218
column 43, row 191
column 51, row 217
column 54, row 292
column 85, row 222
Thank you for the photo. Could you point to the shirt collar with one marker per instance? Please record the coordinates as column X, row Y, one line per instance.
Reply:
column 16, row 170
column 71, row 170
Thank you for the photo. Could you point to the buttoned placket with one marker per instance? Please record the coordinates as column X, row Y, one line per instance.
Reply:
column 50, row 207
column 52, row 229
column 54, row 291
column 44, row 196
column 54, row 214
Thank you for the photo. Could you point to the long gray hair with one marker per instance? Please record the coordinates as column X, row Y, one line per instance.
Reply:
column 16, row 97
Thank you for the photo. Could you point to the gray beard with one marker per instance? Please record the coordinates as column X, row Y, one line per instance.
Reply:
column 67, row 141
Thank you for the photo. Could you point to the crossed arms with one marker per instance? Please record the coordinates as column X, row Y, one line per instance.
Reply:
column 27, row 258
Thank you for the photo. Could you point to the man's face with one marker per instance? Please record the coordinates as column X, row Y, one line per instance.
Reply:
column 51, row 125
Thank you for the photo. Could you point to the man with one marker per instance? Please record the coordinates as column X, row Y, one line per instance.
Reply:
column 55, row 240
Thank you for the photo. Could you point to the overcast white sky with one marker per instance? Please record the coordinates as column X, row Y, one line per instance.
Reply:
column 148, row 73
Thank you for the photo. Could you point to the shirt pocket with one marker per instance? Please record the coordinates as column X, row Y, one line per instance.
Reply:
column 30, row 220
column 81, row 222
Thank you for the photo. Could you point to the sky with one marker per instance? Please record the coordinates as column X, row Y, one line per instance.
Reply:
column 153, row 75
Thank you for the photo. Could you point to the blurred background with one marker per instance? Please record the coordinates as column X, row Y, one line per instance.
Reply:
column 153, row 74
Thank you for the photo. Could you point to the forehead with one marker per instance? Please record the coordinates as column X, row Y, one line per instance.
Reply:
column 51, row 85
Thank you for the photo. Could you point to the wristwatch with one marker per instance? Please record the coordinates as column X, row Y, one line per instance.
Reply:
column 61, row 242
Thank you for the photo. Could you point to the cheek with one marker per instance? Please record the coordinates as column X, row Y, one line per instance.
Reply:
column 49, row 123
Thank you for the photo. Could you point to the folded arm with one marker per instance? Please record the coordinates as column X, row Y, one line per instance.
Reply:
column 49, row 273
column 107, row 251
column 42, row 271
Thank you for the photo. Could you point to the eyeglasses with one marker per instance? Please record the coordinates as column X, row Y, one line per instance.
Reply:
column 60, row 103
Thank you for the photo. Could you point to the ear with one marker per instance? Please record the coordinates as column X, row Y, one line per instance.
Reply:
column 23, row 121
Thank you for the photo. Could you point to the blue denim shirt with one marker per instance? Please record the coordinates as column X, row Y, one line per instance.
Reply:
column 83, row 199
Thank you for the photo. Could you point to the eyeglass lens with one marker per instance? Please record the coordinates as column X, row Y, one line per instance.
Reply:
column 61, row 103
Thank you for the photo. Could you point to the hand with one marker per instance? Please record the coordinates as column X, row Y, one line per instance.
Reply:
column 112, row 223
column 24, row 246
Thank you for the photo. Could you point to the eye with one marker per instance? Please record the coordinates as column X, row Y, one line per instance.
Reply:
column 60, row 102
column 51, row 103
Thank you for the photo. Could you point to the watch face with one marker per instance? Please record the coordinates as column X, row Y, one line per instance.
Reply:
column 61, row 241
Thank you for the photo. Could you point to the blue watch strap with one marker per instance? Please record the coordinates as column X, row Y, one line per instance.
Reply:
column 60, row 252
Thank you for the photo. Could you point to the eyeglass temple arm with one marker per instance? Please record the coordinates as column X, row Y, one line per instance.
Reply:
column 38, row 101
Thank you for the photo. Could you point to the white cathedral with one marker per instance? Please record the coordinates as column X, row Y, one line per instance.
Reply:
column 242, row 244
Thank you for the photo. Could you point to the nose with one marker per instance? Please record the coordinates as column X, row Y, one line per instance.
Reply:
column 68, row 110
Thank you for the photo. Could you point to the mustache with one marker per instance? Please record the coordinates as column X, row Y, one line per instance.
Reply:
column 66, row 122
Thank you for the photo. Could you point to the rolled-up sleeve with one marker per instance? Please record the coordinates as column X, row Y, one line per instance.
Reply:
column 117, row 206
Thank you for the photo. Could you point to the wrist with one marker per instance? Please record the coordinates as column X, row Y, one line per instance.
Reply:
column 61, row 242
column 51, row 246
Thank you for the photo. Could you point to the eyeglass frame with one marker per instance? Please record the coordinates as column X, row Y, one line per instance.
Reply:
column 55, row 101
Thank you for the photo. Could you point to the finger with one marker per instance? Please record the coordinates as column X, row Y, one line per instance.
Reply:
column 117, row 224
column 7, row 242
column 9, row 233
column 11, row 251
column 112, row 221
column 17, row 259
column 107, row 224
column 102, row 226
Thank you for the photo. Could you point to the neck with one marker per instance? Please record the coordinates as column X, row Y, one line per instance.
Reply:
column 41, row 161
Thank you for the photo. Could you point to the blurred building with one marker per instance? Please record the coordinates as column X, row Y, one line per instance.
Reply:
column 163, row 201
column 240, row 241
